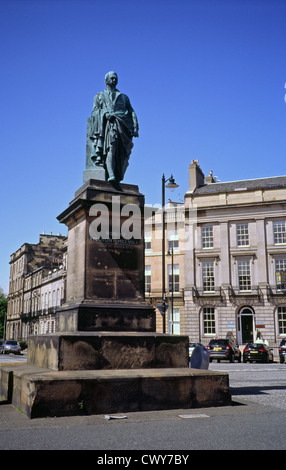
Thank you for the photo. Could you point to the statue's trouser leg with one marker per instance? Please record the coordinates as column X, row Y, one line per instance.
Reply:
column 110, row 161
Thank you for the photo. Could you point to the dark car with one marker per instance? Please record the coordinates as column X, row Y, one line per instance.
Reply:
column 223, row 349
column 10, row 346
column 257, row 352
column 282, row 351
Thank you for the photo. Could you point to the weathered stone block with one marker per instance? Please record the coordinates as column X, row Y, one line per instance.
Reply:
column 41, row 392
column 107, row 350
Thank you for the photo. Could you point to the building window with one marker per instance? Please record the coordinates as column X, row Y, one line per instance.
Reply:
column 282, row 320
column 58, row 300
column 209, row 320
column 173, row 240
column 244, row 275
column 279, row 232
column 207, row 237
column 174, row 321
column 148, row 241
column 208, row 276
column 242, row 235
column 147, row 279
column 280, row 273
column 175, row 279
column 42, row 327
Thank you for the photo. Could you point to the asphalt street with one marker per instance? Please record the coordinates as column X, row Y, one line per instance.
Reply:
column 256, row 420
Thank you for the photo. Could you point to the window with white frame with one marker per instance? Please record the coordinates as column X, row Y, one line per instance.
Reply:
column 147, row 279
column 173, row 240
column 281, row 310
column 174, row 321
column 207, row 237
column 242, row 235
column 209, row 320
column 279, row 232
column 244, row 275
column 173, row 278
column 148, row 237
column 280, row 273
column 208, row 276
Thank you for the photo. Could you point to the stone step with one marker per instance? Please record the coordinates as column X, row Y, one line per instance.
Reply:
column 108, row 350
column 41, row 392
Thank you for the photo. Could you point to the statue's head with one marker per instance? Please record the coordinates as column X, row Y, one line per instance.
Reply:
column 111, row 78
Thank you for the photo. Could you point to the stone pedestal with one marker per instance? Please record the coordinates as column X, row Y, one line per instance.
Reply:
column 106, row 356
column 105, row 270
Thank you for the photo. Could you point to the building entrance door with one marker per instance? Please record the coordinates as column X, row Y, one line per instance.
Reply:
column 245, row 325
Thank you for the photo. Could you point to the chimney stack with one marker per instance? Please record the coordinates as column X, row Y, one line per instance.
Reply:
column 196, row 176
column 210, row 179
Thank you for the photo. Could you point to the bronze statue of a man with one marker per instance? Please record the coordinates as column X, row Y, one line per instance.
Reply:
column 114, row 124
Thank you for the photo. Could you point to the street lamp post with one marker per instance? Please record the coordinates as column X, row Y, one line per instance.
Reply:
column 172, row 287
column 170, row 185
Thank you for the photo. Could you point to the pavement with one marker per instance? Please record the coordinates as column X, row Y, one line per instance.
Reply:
column 246, row 425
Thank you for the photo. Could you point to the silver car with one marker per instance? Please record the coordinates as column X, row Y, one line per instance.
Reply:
column 10, row 346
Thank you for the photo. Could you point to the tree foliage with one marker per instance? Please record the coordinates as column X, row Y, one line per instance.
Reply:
column 3, row 310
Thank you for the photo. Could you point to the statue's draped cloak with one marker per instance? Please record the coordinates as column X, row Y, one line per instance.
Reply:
column 104, row 132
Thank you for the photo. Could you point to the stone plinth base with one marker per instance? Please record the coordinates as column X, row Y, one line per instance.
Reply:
column 96, row 173
column 41, row 392
column 106, row 317
column 107, row 350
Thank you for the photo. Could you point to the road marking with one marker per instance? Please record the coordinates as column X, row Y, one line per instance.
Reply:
column 249, row 370
column 187, row 416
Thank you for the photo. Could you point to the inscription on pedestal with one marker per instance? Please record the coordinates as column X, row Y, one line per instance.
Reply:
column 115, row 269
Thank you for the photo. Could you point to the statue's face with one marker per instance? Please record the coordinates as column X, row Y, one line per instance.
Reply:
column 112, row 80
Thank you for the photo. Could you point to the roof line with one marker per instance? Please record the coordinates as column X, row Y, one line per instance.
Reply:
column 249, row 179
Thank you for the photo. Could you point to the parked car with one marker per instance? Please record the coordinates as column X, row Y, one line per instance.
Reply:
column 192, row 346
column 10, row 346
column 282, row 351
column 257, row 352
column 223, row 349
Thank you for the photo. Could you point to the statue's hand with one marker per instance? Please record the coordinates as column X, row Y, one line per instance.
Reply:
column 135, row 133
column 109, row 117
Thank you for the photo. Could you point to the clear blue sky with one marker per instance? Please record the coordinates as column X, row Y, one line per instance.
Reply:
column 205, row 77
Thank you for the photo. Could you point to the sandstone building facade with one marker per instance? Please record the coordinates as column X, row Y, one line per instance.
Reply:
column 229, row 260
column 36, row 286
